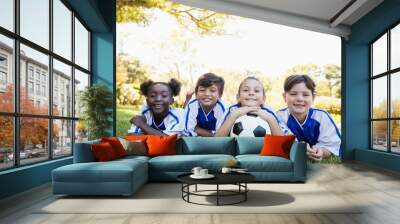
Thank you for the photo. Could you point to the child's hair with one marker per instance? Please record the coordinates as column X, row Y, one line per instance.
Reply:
column 173, row 85
column 209, row 79
column 296, row 79
column 253, row 78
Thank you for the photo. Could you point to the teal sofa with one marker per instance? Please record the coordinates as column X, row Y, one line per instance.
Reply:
column 125, row 176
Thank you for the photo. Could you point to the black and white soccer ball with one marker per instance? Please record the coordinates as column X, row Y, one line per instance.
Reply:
column 250, row 126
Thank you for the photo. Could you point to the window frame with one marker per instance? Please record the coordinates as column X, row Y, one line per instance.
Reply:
column 16, row 114
column 389, row 73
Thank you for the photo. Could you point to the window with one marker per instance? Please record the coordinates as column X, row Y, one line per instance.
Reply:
column 43, row 77
column 30, row 87
column 44, row 91
column 62, row 29
column 30, row 73
column 81, row 45
column 62, row 74
column 6, row 73
column 7, row 14
column 37, row 89
column 34, row 21
column 3, row 71
column 37, row 74
column 3, row 78
column 385, row 97
column 47, row 93
column 3, row 61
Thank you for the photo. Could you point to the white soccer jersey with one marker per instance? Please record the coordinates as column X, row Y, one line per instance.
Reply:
column 172, row 123
column 318, row 129
column 195, row 116
column 266, row 109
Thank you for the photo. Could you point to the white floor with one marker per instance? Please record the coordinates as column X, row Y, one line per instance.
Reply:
column 377, row 189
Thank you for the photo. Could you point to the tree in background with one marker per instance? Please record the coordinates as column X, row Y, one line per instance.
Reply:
column 200, row 21
column 130, row 73
column 33, row 130
column 332, row 73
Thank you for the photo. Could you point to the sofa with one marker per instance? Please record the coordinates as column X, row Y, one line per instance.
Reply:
column 126, row 175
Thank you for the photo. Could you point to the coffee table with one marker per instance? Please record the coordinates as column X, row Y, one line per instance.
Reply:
column 238, row 179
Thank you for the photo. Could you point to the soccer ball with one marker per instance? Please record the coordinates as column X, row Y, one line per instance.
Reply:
column 250, row 126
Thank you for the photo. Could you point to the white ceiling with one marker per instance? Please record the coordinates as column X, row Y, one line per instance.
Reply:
column 316, row 15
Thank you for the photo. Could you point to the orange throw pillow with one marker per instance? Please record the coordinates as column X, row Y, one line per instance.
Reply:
column 116, row 145
column 103, row 152
column 161, row 145
column 277, row 145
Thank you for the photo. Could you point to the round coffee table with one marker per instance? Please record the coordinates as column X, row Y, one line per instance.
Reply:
column 238, row 179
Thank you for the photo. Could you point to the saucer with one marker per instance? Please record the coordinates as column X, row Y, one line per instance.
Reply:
column 208, row 176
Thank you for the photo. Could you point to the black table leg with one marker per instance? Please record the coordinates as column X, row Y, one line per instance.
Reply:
column 245, row 193
column 217, row 194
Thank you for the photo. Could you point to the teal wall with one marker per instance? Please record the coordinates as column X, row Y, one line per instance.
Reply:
column 24, row 178
column 356, row 100
column 99, row 16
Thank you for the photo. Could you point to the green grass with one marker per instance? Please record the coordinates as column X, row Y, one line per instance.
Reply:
column 332, row 160
column 124, row 114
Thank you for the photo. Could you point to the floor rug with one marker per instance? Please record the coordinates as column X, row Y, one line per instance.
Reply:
column 167, row 198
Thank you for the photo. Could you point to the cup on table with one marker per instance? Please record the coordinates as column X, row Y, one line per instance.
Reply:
column 196, row 170
column 203, row 172
column 226, row 170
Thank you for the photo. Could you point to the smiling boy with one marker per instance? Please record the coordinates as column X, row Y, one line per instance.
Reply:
column 205, row 114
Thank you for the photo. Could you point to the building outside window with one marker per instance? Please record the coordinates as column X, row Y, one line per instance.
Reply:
column 44, row 91
column 3, row 78
column 3, row 71
column 30, row 87
column 30, row 72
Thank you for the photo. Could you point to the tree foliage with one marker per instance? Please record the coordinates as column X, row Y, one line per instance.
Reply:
column 33, row 130
column 200, row 21
column 327, row 77
column 130, row 73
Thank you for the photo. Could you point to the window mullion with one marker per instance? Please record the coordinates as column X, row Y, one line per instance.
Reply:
column 389, row 106
column 50, row 81
column 73, row 82
column 16, row 84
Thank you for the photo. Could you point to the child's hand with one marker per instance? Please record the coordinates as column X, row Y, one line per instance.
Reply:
column 245, row 110
column 317, row 154
column 138, row 121
column 265, row 116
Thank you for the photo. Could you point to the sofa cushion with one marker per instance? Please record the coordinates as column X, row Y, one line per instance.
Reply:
column 83, row 153
column 249, row 145
column 257, row 163
column 185, row 163
column 112, row 171
column 207, row 145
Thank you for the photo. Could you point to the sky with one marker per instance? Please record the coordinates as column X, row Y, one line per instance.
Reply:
column 257, row 46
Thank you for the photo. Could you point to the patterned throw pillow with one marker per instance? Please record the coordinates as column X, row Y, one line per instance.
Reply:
column 134, row 147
